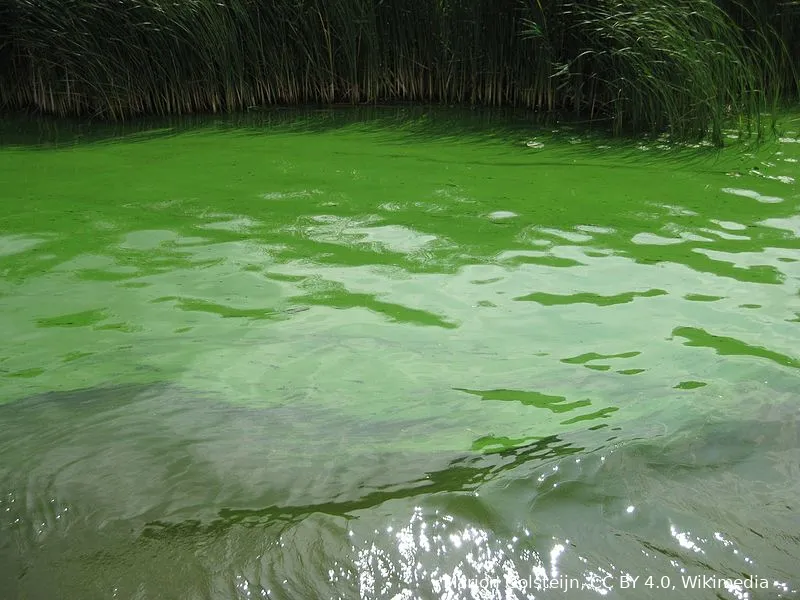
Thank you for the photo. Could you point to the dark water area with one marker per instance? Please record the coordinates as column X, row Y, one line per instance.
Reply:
column 396, row 355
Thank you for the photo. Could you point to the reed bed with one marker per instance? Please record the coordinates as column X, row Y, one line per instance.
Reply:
column 682, row 66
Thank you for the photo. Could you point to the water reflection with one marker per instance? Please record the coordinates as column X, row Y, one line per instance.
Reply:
column 397, row 364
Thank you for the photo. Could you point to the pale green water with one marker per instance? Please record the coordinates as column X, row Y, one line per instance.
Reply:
column 397, row 359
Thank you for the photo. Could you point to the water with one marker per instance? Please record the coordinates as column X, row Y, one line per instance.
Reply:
column 396, row 357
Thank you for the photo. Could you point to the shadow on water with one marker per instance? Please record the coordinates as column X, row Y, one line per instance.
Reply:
column 42, row 132
column 399, row 125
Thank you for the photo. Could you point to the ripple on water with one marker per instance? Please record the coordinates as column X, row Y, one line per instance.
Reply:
column 571, row 520
column 17, row 244
column 791, row 224
column 293, row 195
column 436, row 376
column 754, row 195
column 501, row 215
column 651, row 239
column 396, row 238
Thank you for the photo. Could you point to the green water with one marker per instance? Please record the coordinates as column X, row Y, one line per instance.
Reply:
column 396, row 357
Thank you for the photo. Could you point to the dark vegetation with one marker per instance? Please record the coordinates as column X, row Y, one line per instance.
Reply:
column 688, row 67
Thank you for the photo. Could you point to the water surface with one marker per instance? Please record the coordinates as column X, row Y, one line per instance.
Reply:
column 396, row 356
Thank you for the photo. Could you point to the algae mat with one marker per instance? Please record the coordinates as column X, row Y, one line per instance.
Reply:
column 396, row 356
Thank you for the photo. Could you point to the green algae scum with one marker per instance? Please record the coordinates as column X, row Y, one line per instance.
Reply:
column 396, row 355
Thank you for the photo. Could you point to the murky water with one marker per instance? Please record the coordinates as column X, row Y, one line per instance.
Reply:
column 396, row 358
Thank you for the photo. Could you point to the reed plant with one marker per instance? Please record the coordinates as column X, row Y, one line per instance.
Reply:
column 683, row 66
column 772, row 27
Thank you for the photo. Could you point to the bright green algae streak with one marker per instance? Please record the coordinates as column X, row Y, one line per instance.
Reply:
column 242, row 358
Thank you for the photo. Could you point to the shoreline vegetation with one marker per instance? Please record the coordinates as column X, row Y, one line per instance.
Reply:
column 686, row 67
